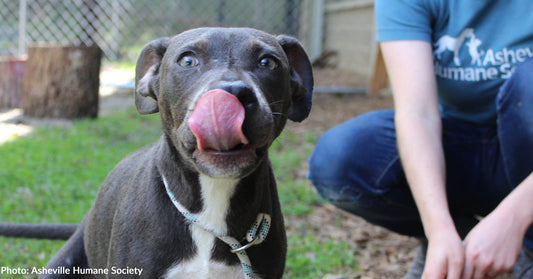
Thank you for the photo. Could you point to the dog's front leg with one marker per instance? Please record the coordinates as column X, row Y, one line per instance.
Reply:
column 71, row 255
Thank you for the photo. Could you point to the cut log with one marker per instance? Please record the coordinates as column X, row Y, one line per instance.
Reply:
column 12, row 73
column 61, row 81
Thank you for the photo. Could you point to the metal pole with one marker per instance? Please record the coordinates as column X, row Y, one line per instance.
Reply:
column 291, row 17
column 113, row 46
column 317, row 28
column 221, row 18
column 22, row 27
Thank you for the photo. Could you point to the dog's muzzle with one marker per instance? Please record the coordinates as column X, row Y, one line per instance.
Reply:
column 222, row 149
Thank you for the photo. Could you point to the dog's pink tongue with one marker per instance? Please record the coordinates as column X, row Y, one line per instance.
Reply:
column 216, row 121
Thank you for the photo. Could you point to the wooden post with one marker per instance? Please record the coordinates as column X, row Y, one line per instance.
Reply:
column 62, row 81
column 378, row 79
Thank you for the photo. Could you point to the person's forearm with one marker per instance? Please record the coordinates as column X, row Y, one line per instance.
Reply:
column 419, row 143
column 418, row 127
column 518, row 205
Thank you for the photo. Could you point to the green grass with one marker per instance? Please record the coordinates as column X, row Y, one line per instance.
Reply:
column 311, row 258
column 53, row 176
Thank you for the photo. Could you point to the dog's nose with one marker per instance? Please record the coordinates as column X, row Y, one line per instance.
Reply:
column 241, row 90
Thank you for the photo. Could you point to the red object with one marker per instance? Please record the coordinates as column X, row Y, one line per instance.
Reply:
column 11, row 78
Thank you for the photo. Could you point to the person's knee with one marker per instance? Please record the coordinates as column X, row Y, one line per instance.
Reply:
column 346, row 154
column 331, row 167
column 328, row 163
column 349, row 197
column 520, row 82
column 524, row 69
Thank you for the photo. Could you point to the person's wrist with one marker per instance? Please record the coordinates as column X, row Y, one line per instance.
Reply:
column 439, row 227
column 509, row 212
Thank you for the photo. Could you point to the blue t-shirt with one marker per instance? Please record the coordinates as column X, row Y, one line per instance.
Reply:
column 476, row 46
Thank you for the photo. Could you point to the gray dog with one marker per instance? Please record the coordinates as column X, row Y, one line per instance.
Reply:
column 201, row 202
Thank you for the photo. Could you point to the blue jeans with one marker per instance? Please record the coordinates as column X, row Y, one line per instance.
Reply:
column 356, row 166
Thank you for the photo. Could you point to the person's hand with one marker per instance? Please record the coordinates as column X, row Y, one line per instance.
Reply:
column 493, row 246
column 445, row 256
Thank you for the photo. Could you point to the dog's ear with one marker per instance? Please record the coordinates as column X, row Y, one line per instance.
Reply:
column 301, row 78
column 147, row 75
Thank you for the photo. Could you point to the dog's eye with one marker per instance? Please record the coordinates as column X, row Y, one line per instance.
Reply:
column 188, row 61
column 268, row 63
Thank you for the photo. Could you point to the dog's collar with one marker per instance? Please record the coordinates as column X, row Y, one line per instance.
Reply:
column 255, row 235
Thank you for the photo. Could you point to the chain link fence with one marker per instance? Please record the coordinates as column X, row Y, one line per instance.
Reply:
column 120, row 27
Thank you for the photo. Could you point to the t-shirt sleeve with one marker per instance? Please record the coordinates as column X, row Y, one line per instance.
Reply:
column 402, row 20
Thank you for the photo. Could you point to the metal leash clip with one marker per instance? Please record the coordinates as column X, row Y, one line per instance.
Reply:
column 257, row 233
column 256, row 240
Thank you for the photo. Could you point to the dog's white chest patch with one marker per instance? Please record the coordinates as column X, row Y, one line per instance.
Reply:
column 216, row 194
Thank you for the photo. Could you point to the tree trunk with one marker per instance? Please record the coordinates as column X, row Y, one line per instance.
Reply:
column 62, row 81
column 12, row 73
